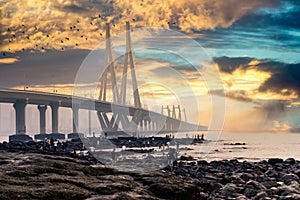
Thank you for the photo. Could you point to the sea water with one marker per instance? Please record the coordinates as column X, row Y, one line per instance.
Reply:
column 258, row 146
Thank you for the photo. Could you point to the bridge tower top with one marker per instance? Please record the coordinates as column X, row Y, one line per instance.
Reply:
column 119, row 95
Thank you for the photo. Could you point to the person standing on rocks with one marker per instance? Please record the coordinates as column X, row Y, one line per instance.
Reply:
column 114, row 156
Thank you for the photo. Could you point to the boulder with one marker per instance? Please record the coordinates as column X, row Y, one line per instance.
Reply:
column 273, row 161
column 288, row 178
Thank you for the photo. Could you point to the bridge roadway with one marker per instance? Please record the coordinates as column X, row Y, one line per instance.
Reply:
column 20, row 98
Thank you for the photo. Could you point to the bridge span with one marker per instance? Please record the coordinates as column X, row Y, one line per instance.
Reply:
column 154, row 122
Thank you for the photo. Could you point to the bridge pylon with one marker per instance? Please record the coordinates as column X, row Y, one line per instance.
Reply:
column 119, row 95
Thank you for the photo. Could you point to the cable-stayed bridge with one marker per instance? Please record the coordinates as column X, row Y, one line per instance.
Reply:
column 113, row 116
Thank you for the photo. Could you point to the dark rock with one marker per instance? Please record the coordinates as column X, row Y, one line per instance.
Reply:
column 290, row 161
column 273, row 161
column 229, row 190
column 260, row 195
column 252, row 187
column 186, row 158
column 241, row 197
column 288, row 178
column 285, row 190
column 269, row 184
column 247, row 176
column 290, row 197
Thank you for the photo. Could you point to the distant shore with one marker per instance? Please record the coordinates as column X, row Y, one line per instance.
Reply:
column 30, row 174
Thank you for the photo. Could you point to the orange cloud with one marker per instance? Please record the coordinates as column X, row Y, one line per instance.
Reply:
column 8, row 60
column 42, row 25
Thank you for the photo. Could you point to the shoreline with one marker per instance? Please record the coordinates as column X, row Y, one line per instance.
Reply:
column 27, row 174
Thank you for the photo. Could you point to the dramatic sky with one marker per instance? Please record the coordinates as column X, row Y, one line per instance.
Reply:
column 255, row 44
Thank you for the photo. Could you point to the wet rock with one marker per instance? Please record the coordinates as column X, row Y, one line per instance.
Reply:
column 246, row 176
column 269, row 184
column 252, row 188
column 260, row 195
column 290, row 197
column 285, row 190
column 290, row 161
column 273, row 161
column 241, row 197
column 288, row 178
column 186, row 158
column 229, row 190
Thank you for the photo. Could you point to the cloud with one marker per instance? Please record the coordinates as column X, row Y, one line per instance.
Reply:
column 286, row 17
column 8, row 60
column 37, row 19
column 229, row 65
column 284, row 78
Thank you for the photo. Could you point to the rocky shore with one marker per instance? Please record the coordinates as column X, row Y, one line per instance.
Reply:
column 34, row 174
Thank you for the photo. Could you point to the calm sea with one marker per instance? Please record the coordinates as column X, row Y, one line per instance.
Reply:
column 258, row 146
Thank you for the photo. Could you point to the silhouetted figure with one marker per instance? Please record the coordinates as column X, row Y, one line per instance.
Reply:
column 114, row 156
column 3, row 54
column 51, row 142
column 202, row 136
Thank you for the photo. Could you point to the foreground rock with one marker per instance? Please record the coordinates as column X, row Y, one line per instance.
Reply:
column 272, row 179
column 28, row 174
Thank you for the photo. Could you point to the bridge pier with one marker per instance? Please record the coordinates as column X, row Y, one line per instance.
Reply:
column 19, row 107
column 75, row 110
column 54, row 109
column 42, row 110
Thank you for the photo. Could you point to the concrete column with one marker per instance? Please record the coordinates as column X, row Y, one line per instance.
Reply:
column 19, row 107
column 75, row 110
column 42, row 109
column 145, row 125
column 90, row 122
column 54, row 109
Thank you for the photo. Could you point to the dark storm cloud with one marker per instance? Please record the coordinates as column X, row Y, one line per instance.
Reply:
column 229, row 65
column 286, row 17
column 285, row 78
